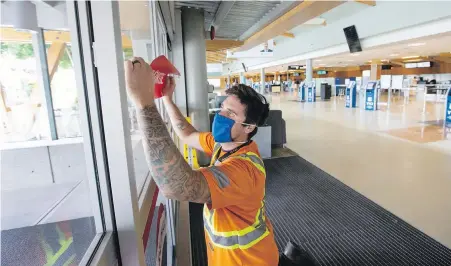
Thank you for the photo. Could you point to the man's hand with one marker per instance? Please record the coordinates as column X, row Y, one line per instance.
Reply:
column 140, row 82
column 168, row 90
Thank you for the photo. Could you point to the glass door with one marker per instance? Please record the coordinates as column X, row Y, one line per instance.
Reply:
column 56, row 194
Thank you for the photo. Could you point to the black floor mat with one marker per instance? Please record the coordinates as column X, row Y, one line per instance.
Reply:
column 337, row 225
column 198, row 247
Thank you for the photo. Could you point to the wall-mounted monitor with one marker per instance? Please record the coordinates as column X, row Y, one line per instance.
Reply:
column 353, row 39
column 321, row 72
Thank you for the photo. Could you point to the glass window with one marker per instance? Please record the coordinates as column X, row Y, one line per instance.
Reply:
column 50, row 211
column 23, row 116
column 215, row 82
column 62, row 84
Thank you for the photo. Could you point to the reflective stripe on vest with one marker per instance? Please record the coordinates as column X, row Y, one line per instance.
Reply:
column 254, row 159
column 244, row 238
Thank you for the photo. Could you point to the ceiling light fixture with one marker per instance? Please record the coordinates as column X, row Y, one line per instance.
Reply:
column 412, row 56
column 355, row 54
column 413, row 60
column 394, row 54
column 416, row 44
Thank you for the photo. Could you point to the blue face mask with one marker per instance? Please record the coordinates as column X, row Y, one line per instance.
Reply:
column 222, row 128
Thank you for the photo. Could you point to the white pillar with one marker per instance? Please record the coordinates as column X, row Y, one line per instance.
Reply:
column 262, row 80
column 242, row 78
column 309, row 70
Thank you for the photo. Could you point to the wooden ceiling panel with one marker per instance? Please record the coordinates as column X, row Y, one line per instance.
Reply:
column 221, row 45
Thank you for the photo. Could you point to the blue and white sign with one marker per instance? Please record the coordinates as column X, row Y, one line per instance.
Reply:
column 371, row 96
column 311, row 92
column 351, row 95
column 447, row 122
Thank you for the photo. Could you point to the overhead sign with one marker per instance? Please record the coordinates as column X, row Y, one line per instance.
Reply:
column 265, row 49
column 419, row 64
column 296, row 67
column 321, row 72
column 424, row 64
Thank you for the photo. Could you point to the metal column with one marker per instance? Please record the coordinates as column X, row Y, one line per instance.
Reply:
column 196, row 69
column 242, row 78
column 262, row 80
column 179, row 62
column 44, row 82
column 309, row 70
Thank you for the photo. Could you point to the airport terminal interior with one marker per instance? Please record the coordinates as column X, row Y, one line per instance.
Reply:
column 357, row 145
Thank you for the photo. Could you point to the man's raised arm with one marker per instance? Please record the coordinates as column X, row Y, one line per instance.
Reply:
column 184, row 130
column 171, row 172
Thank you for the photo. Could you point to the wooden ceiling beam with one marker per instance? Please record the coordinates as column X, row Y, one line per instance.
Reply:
column 395, row 62
column 50, row 36
column 300, row 14
column 365, row 2
column 288, row 34
column 441, row 59
column 218, row 45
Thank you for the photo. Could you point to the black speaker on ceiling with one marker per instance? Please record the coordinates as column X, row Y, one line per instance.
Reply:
column 353, row 39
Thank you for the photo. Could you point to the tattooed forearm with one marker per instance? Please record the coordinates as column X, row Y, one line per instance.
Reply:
column 171, row 172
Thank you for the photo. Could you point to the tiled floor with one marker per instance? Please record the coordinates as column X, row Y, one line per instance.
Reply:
column 410, row 178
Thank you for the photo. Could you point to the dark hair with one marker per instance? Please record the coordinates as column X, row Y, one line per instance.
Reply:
column 257, row 108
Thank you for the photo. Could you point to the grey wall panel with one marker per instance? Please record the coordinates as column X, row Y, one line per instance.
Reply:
column 25, row 168
column 68, row 162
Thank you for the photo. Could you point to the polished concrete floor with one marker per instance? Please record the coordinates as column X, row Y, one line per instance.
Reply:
column 396, row 157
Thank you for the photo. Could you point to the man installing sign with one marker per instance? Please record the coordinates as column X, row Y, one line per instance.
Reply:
column 233, row 187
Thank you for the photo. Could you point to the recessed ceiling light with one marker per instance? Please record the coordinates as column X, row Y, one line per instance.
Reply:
column 318, row 60
column 385, row 60
column 416, row 44
column 394, row 54
column 355, row 54
column 321, row 64
column 412, row 56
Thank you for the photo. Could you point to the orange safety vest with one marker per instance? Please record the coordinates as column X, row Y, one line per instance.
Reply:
column 238, row 234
